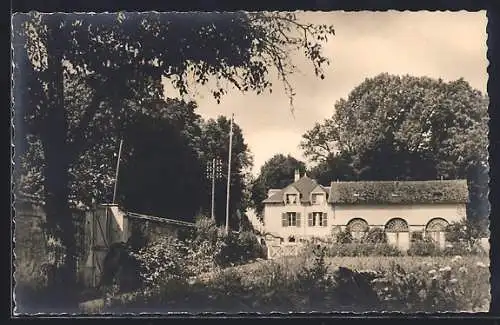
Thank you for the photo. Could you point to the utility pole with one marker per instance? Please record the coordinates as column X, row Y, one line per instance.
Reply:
column 213, row 190
column 229, row 172
column 213, row 173
column 117, row 170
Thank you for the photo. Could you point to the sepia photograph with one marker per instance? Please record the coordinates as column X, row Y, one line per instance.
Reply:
column 250, row 162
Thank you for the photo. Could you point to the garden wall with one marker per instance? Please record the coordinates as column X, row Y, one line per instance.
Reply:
column 30, row 247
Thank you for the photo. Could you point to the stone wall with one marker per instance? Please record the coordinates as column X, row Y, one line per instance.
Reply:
column 30, row 247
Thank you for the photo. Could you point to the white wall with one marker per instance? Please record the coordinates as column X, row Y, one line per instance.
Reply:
column 272, row 220
column 417, row 216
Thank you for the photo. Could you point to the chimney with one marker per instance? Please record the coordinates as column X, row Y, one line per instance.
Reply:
column 297, row 175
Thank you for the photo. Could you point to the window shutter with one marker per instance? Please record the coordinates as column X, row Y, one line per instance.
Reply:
column 310, row 220
column 298, row 219
column 284, row 220
column 325, row 220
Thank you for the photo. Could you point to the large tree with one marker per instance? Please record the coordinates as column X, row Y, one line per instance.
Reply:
column 118, row 55
column 163, row 173
column 405, row 127
column 277, row 172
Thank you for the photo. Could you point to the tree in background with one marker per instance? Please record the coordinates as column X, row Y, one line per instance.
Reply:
column 277, row 172
column 215, row 144
column 406, row 128
column 117, row 55
column 163, row 174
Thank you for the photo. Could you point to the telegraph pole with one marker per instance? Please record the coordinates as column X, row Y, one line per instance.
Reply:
column 213, row 173
column 213, row 190
column 229, row 172
column 117, row 170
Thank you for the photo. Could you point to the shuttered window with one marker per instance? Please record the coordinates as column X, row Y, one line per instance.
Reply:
column 317, row 219
column 290, row 219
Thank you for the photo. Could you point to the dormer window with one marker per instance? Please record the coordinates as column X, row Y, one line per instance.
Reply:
column 317, row 198
column 291, row 199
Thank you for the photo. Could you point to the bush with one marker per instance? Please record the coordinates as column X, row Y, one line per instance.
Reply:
column 424, row 247
column 250, row 246
column 416, row 236
column 463, row 248
column 375, row 236
column 161, row 260
column 362, row 249
column 463, row 231
column 344, row 237
column 456, row 287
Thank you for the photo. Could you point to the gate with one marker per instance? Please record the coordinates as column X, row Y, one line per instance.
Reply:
column 99, row 237
column 103, row 229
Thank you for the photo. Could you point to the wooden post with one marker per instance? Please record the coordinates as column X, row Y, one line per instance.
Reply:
column 117, row 170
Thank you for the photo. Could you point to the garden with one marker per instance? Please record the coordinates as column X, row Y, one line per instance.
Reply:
column 214, row 272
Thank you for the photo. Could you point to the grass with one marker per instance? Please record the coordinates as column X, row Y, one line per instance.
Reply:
column 408, row 284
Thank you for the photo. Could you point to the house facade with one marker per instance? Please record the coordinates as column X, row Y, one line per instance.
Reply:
column 306, row 209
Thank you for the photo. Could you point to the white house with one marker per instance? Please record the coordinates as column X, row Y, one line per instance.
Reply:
column 306, row 209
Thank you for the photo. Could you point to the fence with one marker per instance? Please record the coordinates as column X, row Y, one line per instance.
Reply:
column 275, row 251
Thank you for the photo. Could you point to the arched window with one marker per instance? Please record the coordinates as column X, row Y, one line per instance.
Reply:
column 435, row 229
column 396, row 225
column 397, row 231
column 357, row 227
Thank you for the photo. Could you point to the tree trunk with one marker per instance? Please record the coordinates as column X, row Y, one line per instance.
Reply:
column 59, row 225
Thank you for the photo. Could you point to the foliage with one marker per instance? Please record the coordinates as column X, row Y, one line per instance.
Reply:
column 463, row 231
column 453, row 287
column 215, row 144
column 276, row 173
column 399, row 192
column 161, row 260
column 406, row 128
column 50, row 48
column 163, row 146
column 424, row 247
column 344, row 237
column 403, row 284
column 332, row 168
column 250, row 246
column 375, row 235
column 416, row 236
column 362, row 249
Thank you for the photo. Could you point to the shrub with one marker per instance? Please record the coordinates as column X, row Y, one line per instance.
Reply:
column 250, row 246
column 344, row 237
column 161, row 260
column 375, row 236
column 424, row 247
column 463, row 231
column 417, row 236
column 450, row 288
column 121, row 268
column 463, row 248
column 362, row 249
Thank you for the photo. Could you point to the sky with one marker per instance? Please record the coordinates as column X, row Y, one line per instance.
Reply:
column 447, row 45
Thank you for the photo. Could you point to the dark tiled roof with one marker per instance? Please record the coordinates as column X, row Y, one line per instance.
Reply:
column 389, row 192
column 304, row 186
